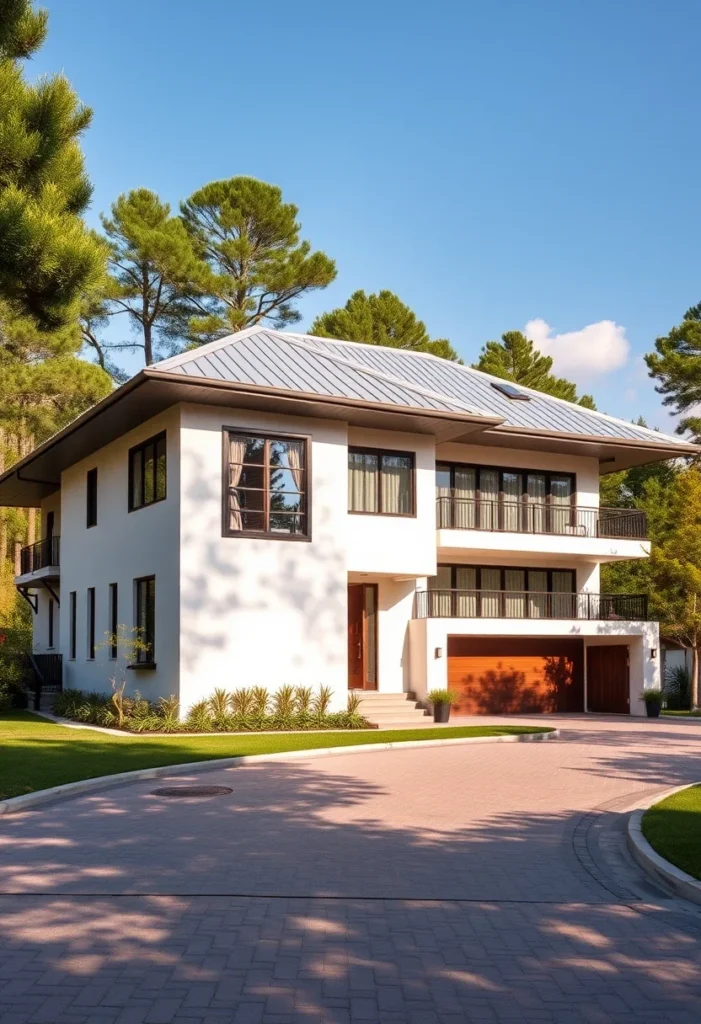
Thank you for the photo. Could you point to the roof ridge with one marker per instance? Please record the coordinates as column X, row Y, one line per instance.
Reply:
column 408, row 385
column 210, row 346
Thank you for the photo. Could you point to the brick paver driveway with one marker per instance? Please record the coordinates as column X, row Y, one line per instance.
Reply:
column 485, row 882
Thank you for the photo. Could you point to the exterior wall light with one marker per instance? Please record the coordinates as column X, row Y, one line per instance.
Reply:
column 653, row 652
column 438, row 652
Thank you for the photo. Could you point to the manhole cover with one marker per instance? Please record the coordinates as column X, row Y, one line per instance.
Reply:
column 192, row 791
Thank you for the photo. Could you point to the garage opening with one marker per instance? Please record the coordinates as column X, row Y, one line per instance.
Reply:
column 516, row 675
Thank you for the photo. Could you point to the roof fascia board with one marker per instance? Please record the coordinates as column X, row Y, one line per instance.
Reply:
column 680, row 448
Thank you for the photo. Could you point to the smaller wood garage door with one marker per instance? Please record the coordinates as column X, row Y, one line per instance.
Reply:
column 500, row 676
column 608, row 679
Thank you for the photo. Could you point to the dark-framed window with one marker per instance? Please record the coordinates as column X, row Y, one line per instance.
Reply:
column 91, row 623
column 145, row 592
column 479, row 497
column 91, row 498
column 147, row 472
column 72, row 623
column 499, row 591
column 51, row 622
column 381, row 482
column 114, row 619
column 266, row 485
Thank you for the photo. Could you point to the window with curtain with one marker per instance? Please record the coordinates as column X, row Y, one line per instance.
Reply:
column 266, row 487
column 561, row 503
column 380, row 482
column 147, row 473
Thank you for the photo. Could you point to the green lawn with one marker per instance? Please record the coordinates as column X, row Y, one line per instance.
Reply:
column 683, row 714
column 673, row 828
column 36, row 753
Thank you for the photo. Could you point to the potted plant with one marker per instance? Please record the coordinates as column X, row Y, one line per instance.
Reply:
column 441, row 701
column 653, row 702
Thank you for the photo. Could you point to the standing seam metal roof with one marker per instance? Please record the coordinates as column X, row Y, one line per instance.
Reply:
column 325, row 366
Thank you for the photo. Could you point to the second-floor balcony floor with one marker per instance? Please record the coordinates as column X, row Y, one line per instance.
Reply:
column 40, row 560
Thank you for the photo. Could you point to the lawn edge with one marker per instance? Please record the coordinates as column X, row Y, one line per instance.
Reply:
column 660, row 869
column 70, row 789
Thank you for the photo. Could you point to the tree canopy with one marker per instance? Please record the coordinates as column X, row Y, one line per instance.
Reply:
column 676, row 364
column 516, row 358
column 249, row 241
column 154, row 274
column 380, row 319
column 46, row 254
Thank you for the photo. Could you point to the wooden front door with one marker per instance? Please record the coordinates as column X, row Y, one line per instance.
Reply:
column 362, row 636
column 608, row 679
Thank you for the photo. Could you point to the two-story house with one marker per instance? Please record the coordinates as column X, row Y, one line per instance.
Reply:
column 274, row 508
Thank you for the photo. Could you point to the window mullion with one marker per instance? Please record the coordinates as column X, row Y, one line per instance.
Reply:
column 268, row 470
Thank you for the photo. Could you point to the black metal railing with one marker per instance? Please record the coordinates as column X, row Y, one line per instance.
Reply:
column 456, row 513
column 42, row 555
column 47, row 672
column 516, row 604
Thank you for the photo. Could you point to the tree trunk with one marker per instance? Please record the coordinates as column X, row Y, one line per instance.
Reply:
column 18, row 564
column 148, row 345
column 694, row 695
column 31, row 526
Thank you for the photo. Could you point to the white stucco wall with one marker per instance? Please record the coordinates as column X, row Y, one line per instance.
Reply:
column 397, row 545
column 123, row 546
column 395, row 605
column 261, row 611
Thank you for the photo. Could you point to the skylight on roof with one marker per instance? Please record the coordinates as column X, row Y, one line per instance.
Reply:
column 510, row 391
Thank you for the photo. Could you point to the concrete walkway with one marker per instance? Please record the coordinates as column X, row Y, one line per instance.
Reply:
column 451, row 884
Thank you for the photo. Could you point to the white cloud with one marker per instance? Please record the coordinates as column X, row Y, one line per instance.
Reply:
column 596, row 349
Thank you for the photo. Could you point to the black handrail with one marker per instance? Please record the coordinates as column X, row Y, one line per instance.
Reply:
column 48, row 675
column 528, row 604
column 42, row 555
column 458, row 513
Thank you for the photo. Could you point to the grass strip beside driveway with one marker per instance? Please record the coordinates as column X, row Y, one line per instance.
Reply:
column 673, row 829
column 37, row 754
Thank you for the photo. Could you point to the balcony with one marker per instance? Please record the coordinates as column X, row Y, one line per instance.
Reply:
column 40, row 560
column 520, row 517
column 513, row 604
column 520, row 527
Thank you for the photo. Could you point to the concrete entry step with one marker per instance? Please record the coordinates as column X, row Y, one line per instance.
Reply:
column 392, row 710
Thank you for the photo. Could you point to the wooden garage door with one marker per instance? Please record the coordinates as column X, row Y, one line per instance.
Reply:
column 496, row 676
column 608, row 679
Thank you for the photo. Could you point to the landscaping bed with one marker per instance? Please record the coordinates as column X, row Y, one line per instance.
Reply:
column 37, row 754
column 673, row 829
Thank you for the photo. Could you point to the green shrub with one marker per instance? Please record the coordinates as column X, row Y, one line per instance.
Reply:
column 443, row 697
column 676, row 690
column 199, row 717
column 15, row 674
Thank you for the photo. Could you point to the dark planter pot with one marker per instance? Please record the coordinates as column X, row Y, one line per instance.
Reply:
column 653, row 710
column 441, row 712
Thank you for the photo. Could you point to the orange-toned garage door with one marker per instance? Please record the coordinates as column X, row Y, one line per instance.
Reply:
column 516, row 676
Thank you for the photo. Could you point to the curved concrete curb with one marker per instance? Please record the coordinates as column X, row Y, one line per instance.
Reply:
column 686, row 886
column 70, row 789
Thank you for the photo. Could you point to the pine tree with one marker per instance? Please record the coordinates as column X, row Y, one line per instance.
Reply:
column 380, row 319
column 46, row 254
column 516, row 358
column 155, row 275
column 257, row 265
column 676, row 364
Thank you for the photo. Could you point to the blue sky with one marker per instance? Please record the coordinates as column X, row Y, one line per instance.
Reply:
column 493, row 163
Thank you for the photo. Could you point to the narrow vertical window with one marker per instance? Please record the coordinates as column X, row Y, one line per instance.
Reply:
column 51, row 622
column 146, row 618
column 91, row 511
column 147, row 473
column 72, row 622
column 114, row 619
column 91, row 623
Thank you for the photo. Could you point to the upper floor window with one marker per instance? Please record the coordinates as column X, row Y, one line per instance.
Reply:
column 266, row 486
column 491, row 498
column 381, row 482
column 147, row 472
column 91, row 498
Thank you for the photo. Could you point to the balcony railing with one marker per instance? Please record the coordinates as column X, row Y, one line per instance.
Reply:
column 455, row 513
column 42, row 555
column 514, row 604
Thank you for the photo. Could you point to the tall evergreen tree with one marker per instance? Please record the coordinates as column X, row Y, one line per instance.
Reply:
column 380, row 319
column 46, row 254
column 155, row 275
column 258, row 267
column 516, row 358
column 676, row 364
